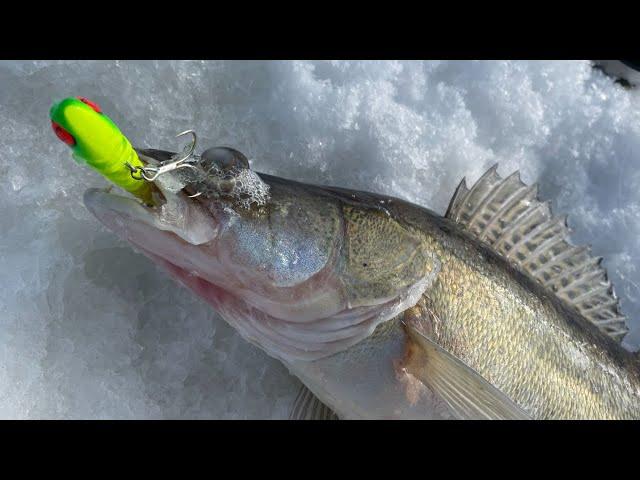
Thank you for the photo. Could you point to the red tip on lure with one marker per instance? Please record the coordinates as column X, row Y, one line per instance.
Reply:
column 63, row 135
column 93, row 105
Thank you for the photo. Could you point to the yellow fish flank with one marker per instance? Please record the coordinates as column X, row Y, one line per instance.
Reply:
column 549, row 361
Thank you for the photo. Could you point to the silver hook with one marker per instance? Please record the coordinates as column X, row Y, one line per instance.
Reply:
column 191, row 148
column 150, row 174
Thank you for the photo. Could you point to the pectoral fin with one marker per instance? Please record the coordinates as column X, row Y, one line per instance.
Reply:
column 467, row 394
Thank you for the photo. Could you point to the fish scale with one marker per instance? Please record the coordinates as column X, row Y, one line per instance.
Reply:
column 537, row 340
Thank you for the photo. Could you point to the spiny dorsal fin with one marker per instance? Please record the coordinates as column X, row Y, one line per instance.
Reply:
column 507, row 215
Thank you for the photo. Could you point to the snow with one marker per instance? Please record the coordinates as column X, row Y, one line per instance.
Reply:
column 91, row 329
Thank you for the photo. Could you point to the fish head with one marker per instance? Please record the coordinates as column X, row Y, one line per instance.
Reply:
column 304, row 273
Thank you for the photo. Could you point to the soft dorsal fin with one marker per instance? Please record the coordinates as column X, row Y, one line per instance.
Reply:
column 507, row 215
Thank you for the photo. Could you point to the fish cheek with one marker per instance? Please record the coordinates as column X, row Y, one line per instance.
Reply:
column 287, row 243
column 381, row 258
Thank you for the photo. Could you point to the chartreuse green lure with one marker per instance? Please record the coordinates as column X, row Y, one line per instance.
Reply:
column 98, row 142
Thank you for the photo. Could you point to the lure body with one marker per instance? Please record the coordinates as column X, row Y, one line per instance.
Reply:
column 97, row 141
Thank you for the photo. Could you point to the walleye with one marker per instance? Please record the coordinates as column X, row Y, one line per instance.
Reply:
column 385, row 309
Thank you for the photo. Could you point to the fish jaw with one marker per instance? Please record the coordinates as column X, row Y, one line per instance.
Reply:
column 181, row 235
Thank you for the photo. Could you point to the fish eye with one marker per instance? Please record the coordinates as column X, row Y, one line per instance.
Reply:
column 63, row 135
column 96, row 108
column 225, row 158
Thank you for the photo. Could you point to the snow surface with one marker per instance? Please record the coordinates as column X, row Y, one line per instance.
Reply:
column 91, row 329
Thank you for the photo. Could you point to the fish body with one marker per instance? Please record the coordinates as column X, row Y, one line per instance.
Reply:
column 97, row 141
column 385, row 309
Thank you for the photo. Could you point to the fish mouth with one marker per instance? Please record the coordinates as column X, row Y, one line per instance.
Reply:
column 166, row 234
column 176, row 214
column 196, row 266
column 177, row 230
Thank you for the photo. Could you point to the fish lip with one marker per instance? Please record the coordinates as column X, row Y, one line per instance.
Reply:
column 188, row 220
column 100, row 202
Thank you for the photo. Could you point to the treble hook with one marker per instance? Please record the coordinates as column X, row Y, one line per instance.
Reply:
column 150, row 174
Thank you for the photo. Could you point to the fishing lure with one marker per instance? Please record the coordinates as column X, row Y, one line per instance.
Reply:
column 220, row 172
column 98, row 142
